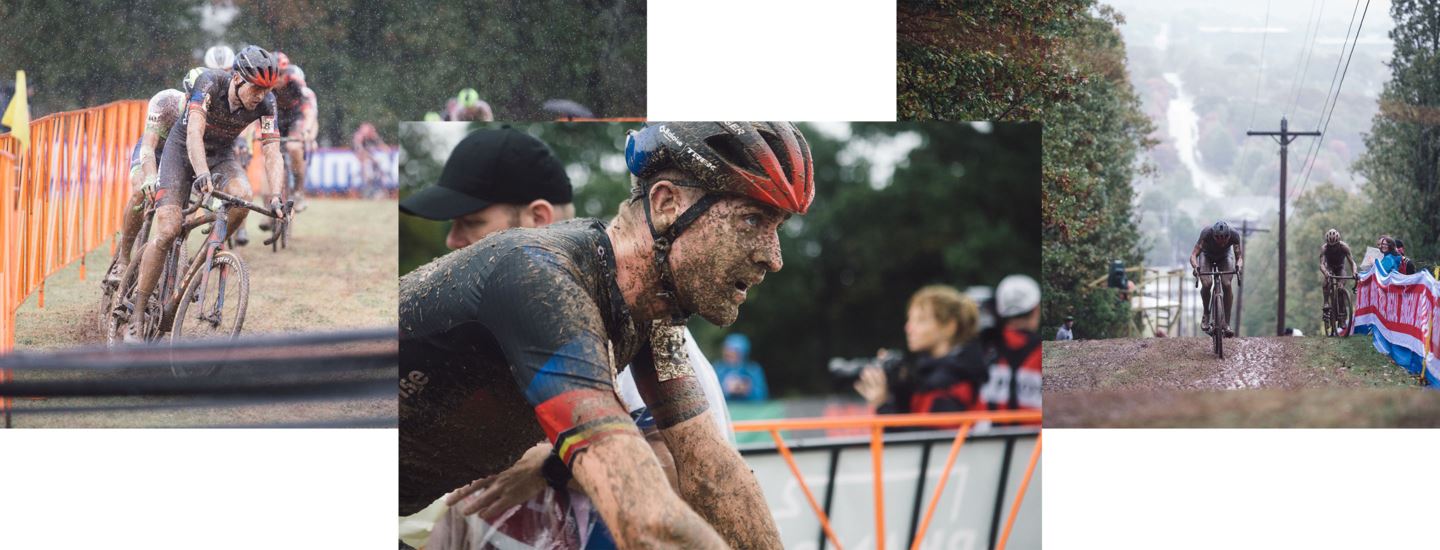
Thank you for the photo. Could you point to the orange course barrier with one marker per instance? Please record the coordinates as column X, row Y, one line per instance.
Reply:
column 62, row 198
column 876, row 426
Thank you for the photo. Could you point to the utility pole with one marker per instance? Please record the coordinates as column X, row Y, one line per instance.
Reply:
column 1283, row 137
column 1245, row 230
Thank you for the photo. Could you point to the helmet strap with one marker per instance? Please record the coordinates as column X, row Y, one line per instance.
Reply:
column 669, row 292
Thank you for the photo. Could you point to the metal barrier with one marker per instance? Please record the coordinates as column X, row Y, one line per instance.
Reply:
column 876, row 426
column 62, row 198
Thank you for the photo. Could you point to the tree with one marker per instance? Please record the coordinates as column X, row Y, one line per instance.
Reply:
column 83, row 54
column 1402, row 150
column 1062, row 63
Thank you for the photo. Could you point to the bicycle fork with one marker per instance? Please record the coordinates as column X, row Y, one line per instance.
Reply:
column 212, row 245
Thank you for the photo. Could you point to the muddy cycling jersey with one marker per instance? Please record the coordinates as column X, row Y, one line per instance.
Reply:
column 1334, row 257
column 211, row 96
column 500, row 344
column 1214, row 251
column 160, row 116
column 291, row 100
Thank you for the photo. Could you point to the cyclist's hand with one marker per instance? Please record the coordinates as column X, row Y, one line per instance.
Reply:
column 203, row 184
column 1239, row 266
column 148, row 188
column 275, row 207
column 493, row 495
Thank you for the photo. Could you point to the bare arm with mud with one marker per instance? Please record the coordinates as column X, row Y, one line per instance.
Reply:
column 625, row 481
column 713, row 478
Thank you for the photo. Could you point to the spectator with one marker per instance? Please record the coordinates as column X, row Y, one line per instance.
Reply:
column 1065, row 332
column 1390, row 257
column 742, row 379
column 1013, row 347
column 944, row 367
column 495, row 179
column 1405, row 266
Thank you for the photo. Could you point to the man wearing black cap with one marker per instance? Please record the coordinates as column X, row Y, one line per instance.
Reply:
column 495, row 180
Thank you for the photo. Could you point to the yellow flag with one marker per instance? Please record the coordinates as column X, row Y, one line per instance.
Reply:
column 17, row 115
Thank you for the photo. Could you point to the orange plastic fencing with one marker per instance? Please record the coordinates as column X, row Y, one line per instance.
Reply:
column 876, row 426
column 62, row 198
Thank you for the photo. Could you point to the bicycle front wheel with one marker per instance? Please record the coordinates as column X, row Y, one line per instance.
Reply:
column 1344, row 313
column 1217, row 321
column 215, row 310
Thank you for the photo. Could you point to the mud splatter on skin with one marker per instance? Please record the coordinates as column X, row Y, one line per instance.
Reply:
column 735, row 242
column 611, row 474
column 731, row 246
column 713, row 478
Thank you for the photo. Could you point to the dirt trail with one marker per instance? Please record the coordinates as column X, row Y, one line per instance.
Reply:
column 339, row 273
column 1262, row 382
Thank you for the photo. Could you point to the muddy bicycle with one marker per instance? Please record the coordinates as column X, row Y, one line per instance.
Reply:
column 280, row 229
column 1219, row 318
column 1338, row 313
column 200, row 296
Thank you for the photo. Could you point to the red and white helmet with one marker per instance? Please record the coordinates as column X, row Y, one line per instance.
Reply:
column 766, row 161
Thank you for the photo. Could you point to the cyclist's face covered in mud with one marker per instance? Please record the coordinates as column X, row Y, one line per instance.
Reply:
column 725, row 253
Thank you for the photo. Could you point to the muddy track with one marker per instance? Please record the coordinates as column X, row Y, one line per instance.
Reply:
column 1262, row 382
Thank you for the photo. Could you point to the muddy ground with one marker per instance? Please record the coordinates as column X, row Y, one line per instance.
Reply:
column 340, row 272
column 1262, row 382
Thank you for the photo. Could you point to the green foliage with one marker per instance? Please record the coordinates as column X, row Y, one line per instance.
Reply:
column 959, row 208
column 84, row 54
column 380, row 61
column 1062, row 63
column 1402, row 155
column 390, row 60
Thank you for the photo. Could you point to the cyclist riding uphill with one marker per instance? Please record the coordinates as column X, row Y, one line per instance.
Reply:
column 1215, row 243
column 221, row 105
column 521, row 336
column 1334, row 254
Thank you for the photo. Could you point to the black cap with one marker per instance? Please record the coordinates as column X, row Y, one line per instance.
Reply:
column 504, row 166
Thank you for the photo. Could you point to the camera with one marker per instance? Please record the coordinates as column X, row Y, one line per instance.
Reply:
column 848, row 370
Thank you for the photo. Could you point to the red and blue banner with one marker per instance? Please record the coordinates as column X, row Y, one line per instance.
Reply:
column 1402, row 313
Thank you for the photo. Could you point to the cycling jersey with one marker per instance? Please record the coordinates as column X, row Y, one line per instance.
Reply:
column 211, row 96
column 1216, row 252
column 1015, row 370
column 1334, row 257
column 501, row 343
column 291, row 100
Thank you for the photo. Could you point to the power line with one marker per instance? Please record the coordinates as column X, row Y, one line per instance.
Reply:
column 1309, row 53
column 1335, row 102
column 1314, row 148
column 1264, row 34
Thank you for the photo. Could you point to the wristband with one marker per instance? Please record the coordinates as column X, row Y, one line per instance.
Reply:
column 555, row 472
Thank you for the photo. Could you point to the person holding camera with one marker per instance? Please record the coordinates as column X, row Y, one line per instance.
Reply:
column 944, row 367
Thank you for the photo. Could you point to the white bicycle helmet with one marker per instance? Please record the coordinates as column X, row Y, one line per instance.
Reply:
column 219, row 57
